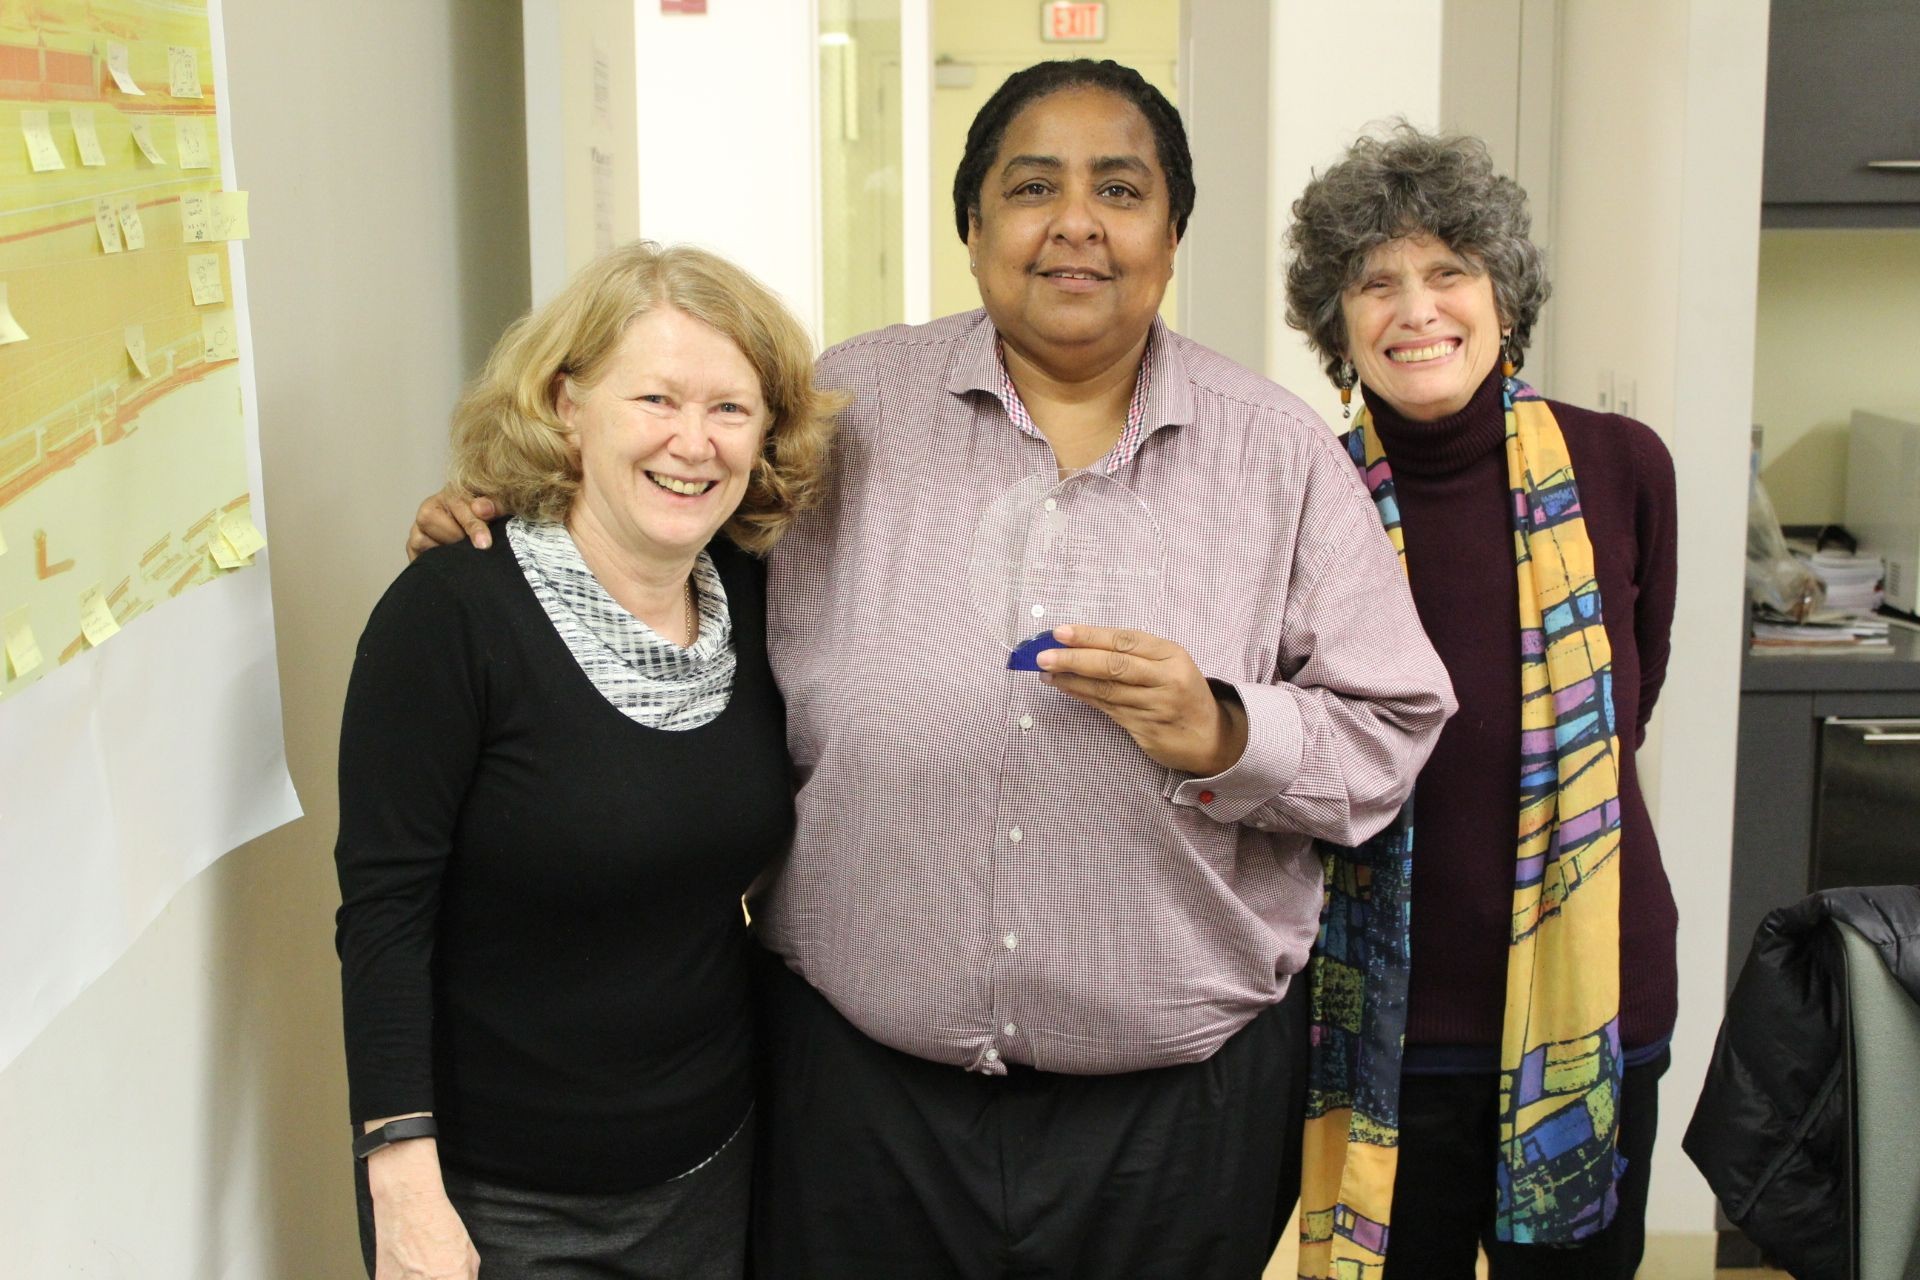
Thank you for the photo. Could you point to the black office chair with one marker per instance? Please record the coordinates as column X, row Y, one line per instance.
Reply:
column 1804, row 1128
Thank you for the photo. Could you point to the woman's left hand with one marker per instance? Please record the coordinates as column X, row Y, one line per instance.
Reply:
column 1151, row 688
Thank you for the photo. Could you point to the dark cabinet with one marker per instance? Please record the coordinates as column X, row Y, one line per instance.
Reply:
column 1827, row 788
column 1843, row 113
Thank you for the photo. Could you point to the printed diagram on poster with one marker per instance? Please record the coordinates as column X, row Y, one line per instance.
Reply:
column 140, row 732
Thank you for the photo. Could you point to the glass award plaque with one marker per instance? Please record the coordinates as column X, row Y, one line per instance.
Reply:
column 1078, row 548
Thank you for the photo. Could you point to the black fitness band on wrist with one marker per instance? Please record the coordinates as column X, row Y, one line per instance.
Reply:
column 365, row 1144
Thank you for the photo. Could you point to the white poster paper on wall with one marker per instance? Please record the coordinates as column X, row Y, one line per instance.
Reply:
column 140, row 734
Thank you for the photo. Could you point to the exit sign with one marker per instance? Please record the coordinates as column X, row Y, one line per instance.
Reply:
column 1060, row 20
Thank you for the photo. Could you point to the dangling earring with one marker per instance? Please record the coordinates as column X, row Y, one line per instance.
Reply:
column 1344, row 379
column 1509, row 365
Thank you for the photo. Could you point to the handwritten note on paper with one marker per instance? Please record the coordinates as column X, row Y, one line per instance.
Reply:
column 23, row 652
column 131, row 228
column 117, row 67
column 203, row 273
column 10, row 330
column 97, row 623
column 602, row 87
column 241, row 534
column 602, row 199
column 108, row 224
column 136, row 339
column 196, row 217
column 183, row 71
column 190, row 136
column 230, row 216
column 218, row 336
column 143, row 139
column 87, row 138
column 41, row 149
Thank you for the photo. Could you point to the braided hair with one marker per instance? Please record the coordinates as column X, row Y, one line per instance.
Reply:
column 1025, row 87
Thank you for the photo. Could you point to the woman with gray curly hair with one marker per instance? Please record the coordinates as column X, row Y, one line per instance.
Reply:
column 1538, row 537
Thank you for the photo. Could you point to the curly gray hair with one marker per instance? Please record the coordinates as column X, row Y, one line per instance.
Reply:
column 1404, row 184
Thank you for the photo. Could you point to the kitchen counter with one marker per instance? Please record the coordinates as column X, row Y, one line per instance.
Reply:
column 1824, row 673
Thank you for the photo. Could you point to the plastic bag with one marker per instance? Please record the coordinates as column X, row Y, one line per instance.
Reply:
column 1776, row 580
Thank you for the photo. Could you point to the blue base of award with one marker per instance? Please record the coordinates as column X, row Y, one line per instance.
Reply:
column 1025, row 656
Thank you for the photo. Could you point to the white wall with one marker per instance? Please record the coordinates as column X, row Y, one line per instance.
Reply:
column 582, row 145
column 185, row 1119
column 1224, row 47
column 729, row 135
column 1336, row 69
column 1837, row 331
column 1656, row 232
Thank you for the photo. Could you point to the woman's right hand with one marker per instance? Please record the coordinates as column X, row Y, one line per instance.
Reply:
column 449, row 516
column 417, row 1234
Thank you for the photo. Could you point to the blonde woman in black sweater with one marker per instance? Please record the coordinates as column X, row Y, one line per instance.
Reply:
column 559, row 771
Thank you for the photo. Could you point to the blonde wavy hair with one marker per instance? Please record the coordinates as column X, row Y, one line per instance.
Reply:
column 510, row 444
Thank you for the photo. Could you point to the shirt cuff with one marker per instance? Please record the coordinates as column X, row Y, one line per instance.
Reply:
column 1264, row 770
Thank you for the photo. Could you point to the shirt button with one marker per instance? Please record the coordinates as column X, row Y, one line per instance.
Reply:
column 1039, row 611
column 1011, row 941
column 1206, row 797
column 1052, row 504
column 992, row 1055
column 1026, row 722
column 1010, row 1029
column 1015, row 835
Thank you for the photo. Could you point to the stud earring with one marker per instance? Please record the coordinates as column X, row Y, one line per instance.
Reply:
column 1344, row 379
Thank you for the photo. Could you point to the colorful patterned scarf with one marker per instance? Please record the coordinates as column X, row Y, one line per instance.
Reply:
column 1560, row 1059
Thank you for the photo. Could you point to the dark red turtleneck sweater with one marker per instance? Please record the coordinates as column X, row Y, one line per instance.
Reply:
column 1451, row 480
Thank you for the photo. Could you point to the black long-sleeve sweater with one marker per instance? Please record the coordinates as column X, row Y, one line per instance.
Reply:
column 540, row 930
column 1450, row 478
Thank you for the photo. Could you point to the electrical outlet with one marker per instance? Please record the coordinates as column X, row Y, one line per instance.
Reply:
column 1603, row 398
column 1624, row 397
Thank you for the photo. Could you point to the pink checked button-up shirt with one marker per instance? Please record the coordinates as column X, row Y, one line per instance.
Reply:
column 987, row 871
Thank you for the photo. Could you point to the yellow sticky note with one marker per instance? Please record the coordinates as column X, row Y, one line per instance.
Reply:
column 23, row 653
column 119, row 69
column 107, row 222
column 131, row 228
column 183, row 71
column 230, row 216
column 240, row 533
column 41, row 149
column 143, row 138
column 224, row 556
column 196, row 217
column 87, row 138
column 96, row 618
column 190, row 137
column 217, row 335
column 136, row 339
column 10, row 330
column 203, row 273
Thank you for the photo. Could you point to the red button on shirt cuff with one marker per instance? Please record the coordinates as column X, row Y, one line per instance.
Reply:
column 1206, row 797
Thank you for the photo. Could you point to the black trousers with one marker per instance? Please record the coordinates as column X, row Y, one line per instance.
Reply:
column 873, row 1162
column 691, row 1228
column 1444, row 1197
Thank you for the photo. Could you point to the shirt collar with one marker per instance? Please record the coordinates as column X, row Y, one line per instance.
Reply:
column 1162, row 393
column 554, row 557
